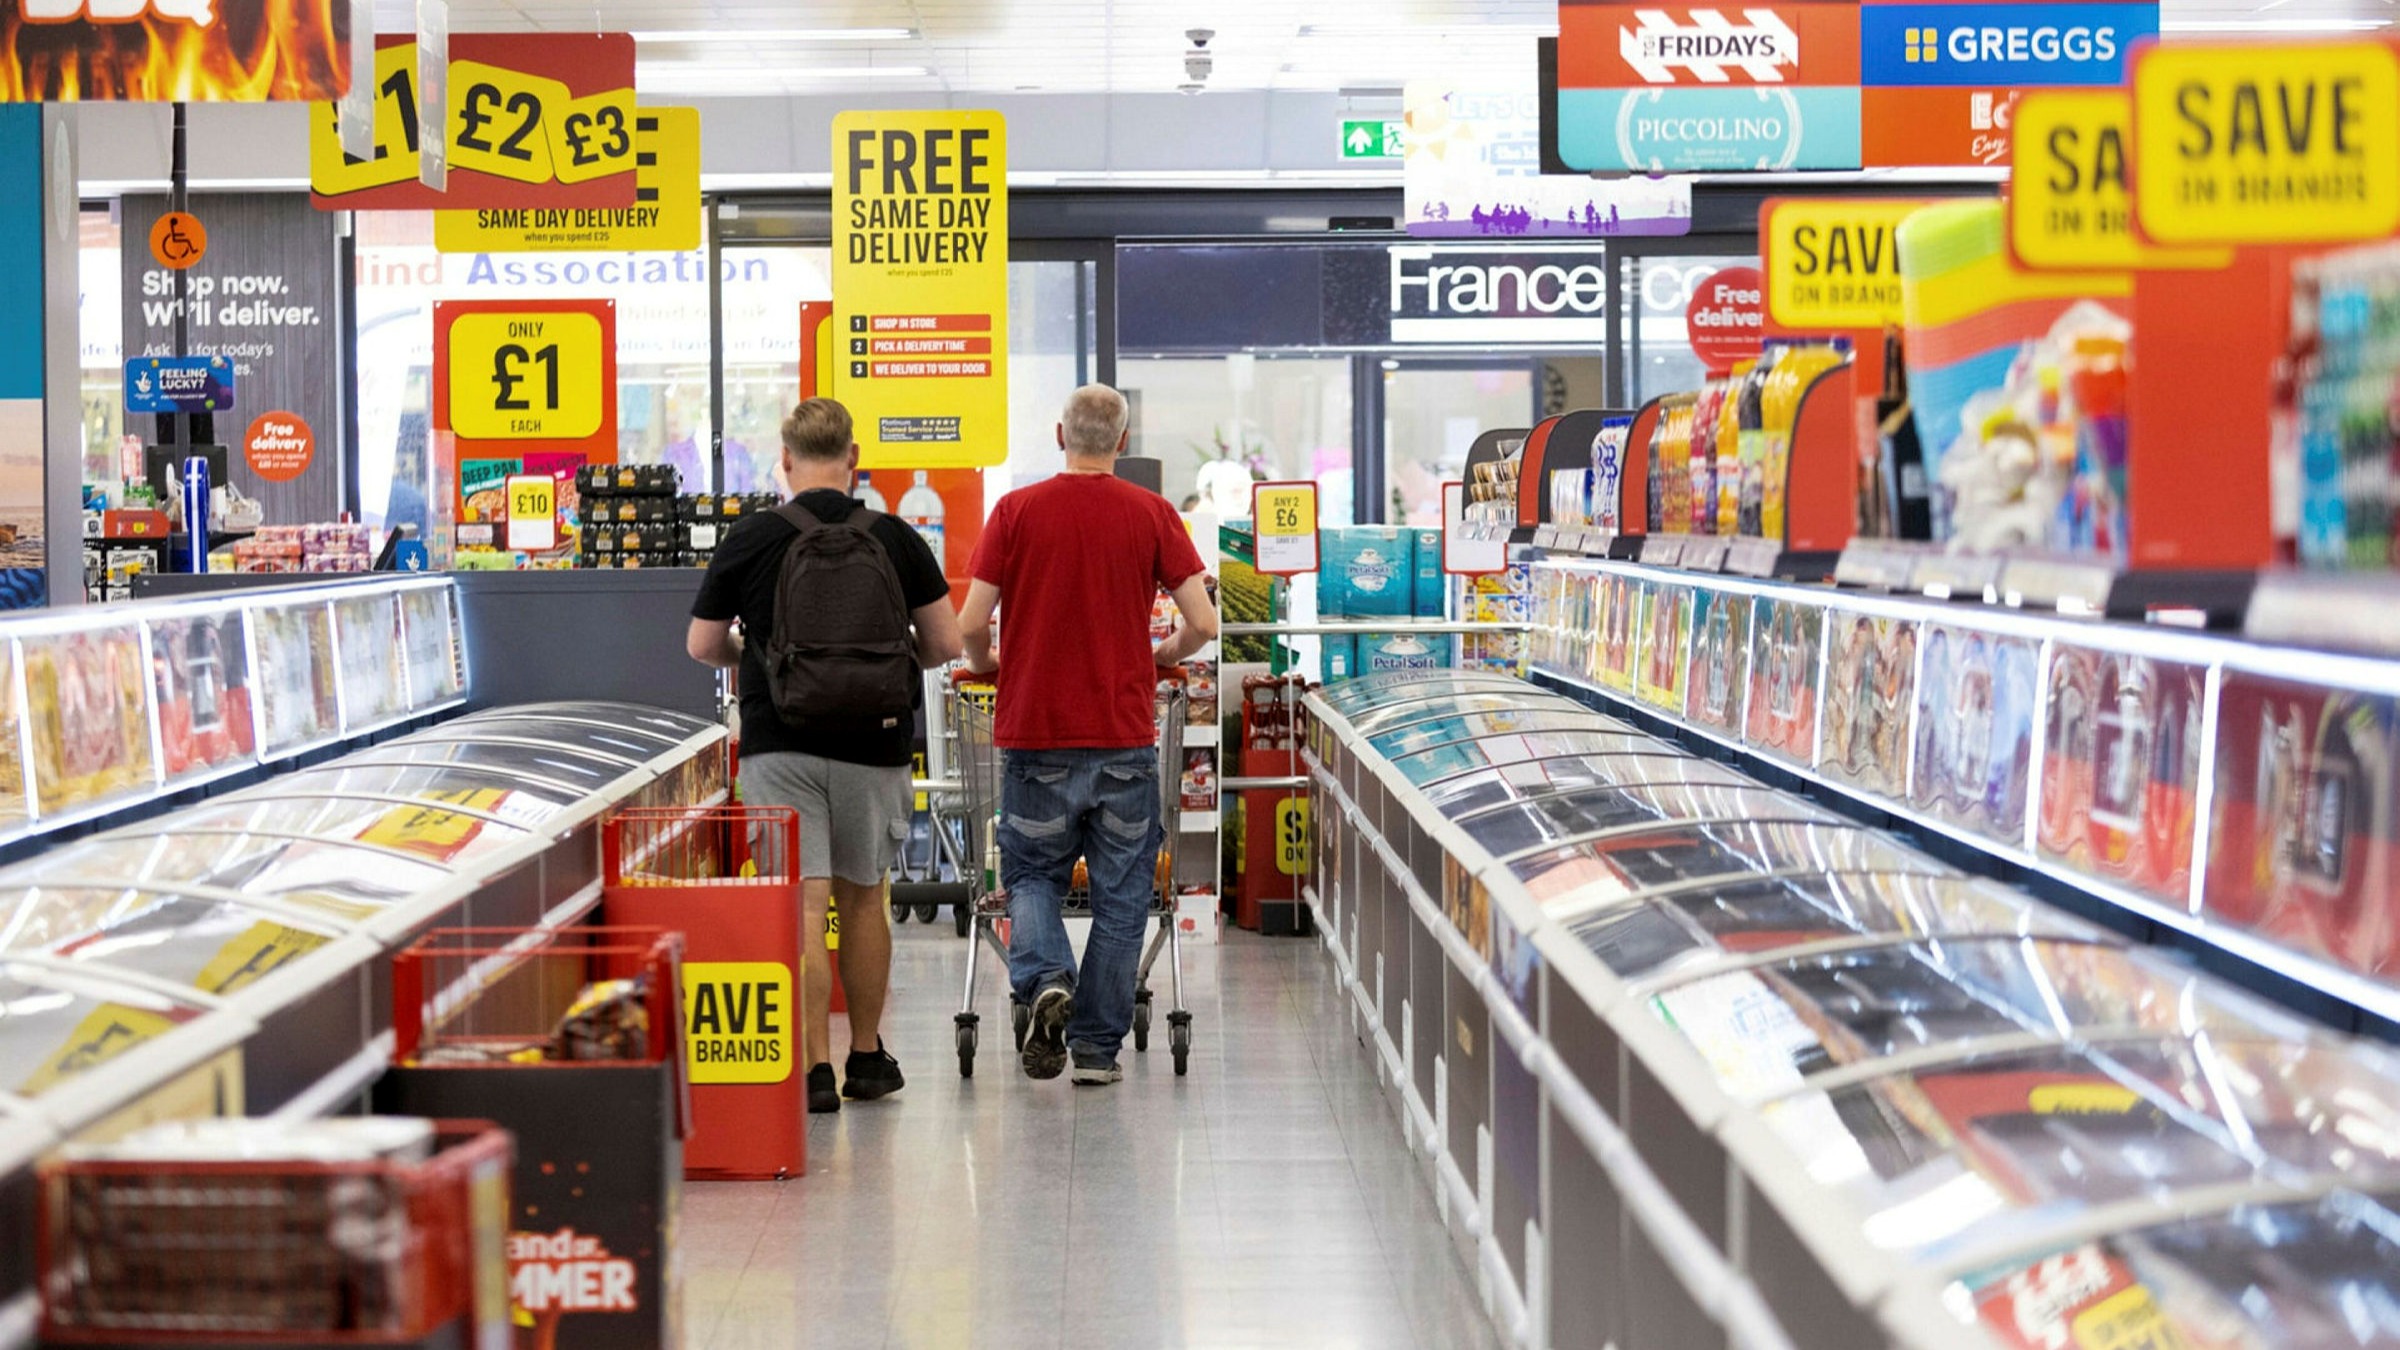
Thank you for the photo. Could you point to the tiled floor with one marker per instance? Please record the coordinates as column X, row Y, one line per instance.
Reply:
column 1264, row 1200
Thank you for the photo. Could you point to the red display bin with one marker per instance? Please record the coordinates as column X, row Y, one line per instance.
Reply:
column 728, row 879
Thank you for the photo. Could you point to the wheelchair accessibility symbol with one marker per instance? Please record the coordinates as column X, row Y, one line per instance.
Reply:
column 178, row 240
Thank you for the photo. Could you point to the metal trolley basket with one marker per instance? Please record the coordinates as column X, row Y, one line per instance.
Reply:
column 976, row 763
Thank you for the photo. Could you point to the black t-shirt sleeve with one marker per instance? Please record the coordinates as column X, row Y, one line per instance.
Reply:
column 725, row 586
column 921, row 579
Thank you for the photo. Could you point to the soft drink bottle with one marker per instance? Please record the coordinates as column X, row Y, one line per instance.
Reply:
column 921, row 509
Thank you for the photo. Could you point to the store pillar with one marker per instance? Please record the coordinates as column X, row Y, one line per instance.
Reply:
column 41, row 408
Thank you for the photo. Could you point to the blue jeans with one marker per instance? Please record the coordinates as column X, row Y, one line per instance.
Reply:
column 1101, row 806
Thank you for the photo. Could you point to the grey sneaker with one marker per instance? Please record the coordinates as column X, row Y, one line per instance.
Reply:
column 1093, row 1071
column 1045, row 1052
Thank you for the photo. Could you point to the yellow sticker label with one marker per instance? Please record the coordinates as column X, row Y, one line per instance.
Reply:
column 427, row 829
column 738, row 1021
column 1834, row 264
column 2069, row 203
column 532, row 496
column 262, row 948
column 332, row 172
column 1287, row 509
column 2279, row 143
column 104, row 1033
column 2082, row 1099
column 662, row 148
column 497, row 120
column 2128, row 1319
column 530, row 376
column 1291, row 836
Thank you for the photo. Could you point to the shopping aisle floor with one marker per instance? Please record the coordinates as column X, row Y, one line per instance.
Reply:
column 1264, row 1200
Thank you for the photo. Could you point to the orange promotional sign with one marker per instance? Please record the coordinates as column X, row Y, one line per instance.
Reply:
column 181, row 51
column 1644, row 46
column 279, row 446
column 178, row 239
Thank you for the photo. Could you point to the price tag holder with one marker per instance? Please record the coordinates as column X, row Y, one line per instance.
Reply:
column 2282, row 143
column 525, row 376
column 1466, row 550
column 532, row 512
column 1286, row 517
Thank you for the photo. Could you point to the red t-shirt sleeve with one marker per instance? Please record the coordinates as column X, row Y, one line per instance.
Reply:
column 1178, row 561
column 991, row 549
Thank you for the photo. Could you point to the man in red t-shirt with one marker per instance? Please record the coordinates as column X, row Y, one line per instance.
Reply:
column 1080, row 558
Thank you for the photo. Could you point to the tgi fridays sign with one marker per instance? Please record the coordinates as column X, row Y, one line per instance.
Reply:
column 233, row 51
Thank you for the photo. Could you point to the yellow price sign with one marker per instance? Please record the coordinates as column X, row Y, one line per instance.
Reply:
column 532, row 512
column 332, row 172
column 738, row 1021
column 2070, row 206
column 664, row 148
column 529, row 376
column 1291, row 836
column 1834, row 264
column 1285, row 515
column 2292, row 143
column 593, row 137
column 497, row 118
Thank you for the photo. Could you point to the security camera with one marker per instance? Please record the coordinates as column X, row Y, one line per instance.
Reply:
column 1197, row 63
column 1199, row 36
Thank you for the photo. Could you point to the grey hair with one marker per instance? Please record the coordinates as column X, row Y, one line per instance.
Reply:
column 1093, row 420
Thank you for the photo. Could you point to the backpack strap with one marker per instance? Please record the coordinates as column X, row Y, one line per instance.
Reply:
column 800, row 517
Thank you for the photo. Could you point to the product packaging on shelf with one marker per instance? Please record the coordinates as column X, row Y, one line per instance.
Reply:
column 1974, row 751
column 1378, row 652
column 1665, row 618
column 1340, row 657
column 1720, row 660
column 1199, row 782
column 1868, row 694
column 2345, row 356
column 1608, row 473
column 91, row 729
column 1786, row 640
column 2121, row 755
column 636, row 480
column 1431, row 581
column 1367, row 571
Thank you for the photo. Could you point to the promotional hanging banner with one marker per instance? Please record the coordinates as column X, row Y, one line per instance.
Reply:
column 1285, row 515
column 173, row 51
column 2283, row 143
column 1473, row 169
column 513, row 379
column 664, row 217
column 2069, row 204
column 1726, row 319
column 533, row 121
column 920, row 285
column 1943, row 81
column 1833, row 263
column 178, row 384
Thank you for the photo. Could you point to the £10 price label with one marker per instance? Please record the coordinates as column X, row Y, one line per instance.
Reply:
column 530, row 376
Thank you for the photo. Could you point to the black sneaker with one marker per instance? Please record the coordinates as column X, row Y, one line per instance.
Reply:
column 871, row 1074
column 823, row 1096
column 1045, row 1052
column 1093, row 1071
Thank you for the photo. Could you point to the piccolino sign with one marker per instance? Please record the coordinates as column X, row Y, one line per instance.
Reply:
column 1731, row 129
column 1500, row 295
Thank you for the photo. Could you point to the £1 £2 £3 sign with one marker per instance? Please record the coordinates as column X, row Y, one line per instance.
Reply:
column 532, row 120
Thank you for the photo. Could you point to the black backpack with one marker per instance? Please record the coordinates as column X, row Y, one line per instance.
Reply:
column 842, row 644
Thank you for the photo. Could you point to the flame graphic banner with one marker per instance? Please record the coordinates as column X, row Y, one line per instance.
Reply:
column 245, row 51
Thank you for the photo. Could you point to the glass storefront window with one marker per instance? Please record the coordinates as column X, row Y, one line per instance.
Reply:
column 1431, row 417
column 762, row 297
column 1273, row 417
column 1659, row 357
column 100, row 320
column 1053, row 348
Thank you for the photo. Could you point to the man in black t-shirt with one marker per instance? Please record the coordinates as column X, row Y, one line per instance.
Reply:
column 849, row 777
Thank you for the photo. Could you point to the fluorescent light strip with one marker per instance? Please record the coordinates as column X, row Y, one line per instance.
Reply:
column 747, row 35
column 1408, row 30
column 736, row 76
column 2255, row 26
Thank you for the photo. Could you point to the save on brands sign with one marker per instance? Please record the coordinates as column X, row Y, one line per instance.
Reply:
column 1498, row 295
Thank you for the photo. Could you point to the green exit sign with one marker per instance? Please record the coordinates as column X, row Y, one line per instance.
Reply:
column 1372, row 138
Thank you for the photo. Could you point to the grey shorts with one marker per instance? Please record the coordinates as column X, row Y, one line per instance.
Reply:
column 853, row 817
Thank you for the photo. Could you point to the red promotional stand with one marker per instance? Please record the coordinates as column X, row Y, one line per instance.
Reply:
column 728, row 878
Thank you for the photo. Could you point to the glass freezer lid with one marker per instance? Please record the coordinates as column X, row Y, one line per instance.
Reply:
column 2290, row 1277
column 674, row 726
column 1394, row 686
column 1487, row 788
column 440, row 832
column 1417, row 736
column 214, row 946
column 57, row 1025
column 536, row 799
column 343, row 875
column 1515, row 747
column 631, row 746
column 1517, row 827
column 588, row 772
column 2005, row 1147
column 1400, row 713
column 1766, row 913
column 1618, row 868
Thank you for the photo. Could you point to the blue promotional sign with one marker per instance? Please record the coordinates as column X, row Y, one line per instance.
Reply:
column 1725, row 129
column 410, row 556
column 178, row 384
column 2000, row 46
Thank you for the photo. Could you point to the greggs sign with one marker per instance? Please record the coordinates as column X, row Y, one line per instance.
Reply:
column 194, row 51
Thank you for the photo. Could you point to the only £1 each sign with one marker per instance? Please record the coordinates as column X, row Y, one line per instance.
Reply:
column 2293, row 143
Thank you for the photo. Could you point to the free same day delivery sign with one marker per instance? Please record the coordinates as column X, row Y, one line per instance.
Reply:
column 1822, row 85
column 920, row 286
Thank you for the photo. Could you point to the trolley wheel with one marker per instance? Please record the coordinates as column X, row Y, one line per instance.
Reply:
column 1179, row 1042
column 1022, row 1017
column 927, row 910
column 1141, row 1020
column 962, row 915
column 899, row 911
column 966, row 1045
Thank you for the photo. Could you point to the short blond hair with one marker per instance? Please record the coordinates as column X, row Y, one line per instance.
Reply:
column 818, row 429
column 1093, row 421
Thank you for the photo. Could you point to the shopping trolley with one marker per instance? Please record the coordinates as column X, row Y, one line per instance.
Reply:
column 976, row 761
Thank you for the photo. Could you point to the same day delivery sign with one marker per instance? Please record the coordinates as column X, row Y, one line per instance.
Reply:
column 1821, row 85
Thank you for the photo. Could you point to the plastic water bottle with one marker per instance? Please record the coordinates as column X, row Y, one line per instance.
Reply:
column 921, row 509
column 868, row 497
